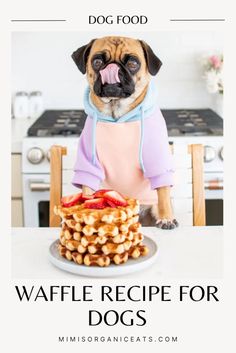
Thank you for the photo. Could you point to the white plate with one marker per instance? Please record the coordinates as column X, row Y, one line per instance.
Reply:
column 132, row 265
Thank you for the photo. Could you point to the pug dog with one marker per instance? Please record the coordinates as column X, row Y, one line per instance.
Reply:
column 124, row 143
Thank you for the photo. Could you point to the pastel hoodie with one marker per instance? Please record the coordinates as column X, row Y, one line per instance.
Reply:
column 130, row 154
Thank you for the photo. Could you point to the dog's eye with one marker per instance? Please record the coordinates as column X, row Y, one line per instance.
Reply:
column 132, row 65
column 97, row 63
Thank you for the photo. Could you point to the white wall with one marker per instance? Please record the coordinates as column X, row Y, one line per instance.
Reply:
column 42, row 61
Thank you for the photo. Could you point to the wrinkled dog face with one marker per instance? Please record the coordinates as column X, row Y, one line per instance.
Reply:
column 117, row 68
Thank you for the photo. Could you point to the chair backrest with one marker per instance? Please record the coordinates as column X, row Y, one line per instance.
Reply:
column 56, row 154
column 187, row 194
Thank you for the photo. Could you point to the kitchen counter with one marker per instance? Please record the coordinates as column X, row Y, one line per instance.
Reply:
column 186, row 252
column 19, row 129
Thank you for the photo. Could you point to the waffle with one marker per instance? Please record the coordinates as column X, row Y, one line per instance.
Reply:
column 137, row 251
column 101, row 228
column 107, row 215
column 98, row 237
column 72, row 224
column 69, row 255
column 101, row 244
column 93, row 240
column 101, row 259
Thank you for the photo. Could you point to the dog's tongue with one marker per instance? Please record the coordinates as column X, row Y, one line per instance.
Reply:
column 110, row 74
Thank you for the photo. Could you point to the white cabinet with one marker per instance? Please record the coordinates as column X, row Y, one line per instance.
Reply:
column 16, row 191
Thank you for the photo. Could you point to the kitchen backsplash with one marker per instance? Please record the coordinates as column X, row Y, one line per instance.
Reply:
column 41, row 61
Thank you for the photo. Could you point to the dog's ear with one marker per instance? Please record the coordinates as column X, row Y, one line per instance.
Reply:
column 80, row 56
column 153, row 62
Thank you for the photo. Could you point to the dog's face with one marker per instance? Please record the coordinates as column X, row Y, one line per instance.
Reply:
column 117, row 67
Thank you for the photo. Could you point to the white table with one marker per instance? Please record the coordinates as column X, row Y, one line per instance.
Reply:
column 186, row 252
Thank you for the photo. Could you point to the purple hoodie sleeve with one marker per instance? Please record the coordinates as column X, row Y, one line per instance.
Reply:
column 85, row 171
column 157, row 157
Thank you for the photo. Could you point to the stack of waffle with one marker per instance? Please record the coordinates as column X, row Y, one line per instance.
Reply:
column 99, row 237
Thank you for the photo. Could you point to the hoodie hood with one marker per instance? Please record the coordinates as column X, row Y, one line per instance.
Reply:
column 142, row 111
column 147, row 106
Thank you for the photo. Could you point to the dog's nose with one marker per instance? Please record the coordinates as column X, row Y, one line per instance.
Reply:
column 110, row 74
column 112, row 90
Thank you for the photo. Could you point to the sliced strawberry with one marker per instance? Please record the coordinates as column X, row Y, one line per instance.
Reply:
column 95, row 203
column 110, row 203
column 71, row 200
column 101, row 192
column 115, row 198
column 86, row 197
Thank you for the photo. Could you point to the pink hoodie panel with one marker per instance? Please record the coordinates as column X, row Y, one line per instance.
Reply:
column 118, row 153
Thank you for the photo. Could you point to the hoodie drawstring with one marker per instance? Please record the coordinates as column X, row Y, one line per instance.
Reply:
column 95, row 119
column 141, row 141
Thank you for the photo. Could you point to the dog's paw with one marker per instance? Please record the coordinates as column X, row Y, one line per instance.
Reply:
column 167, row 223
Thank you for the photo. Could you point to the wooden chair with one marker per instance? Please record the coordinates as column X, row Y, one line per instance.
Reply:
column 56, row 154
column 199, row 208
column 188, row 195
